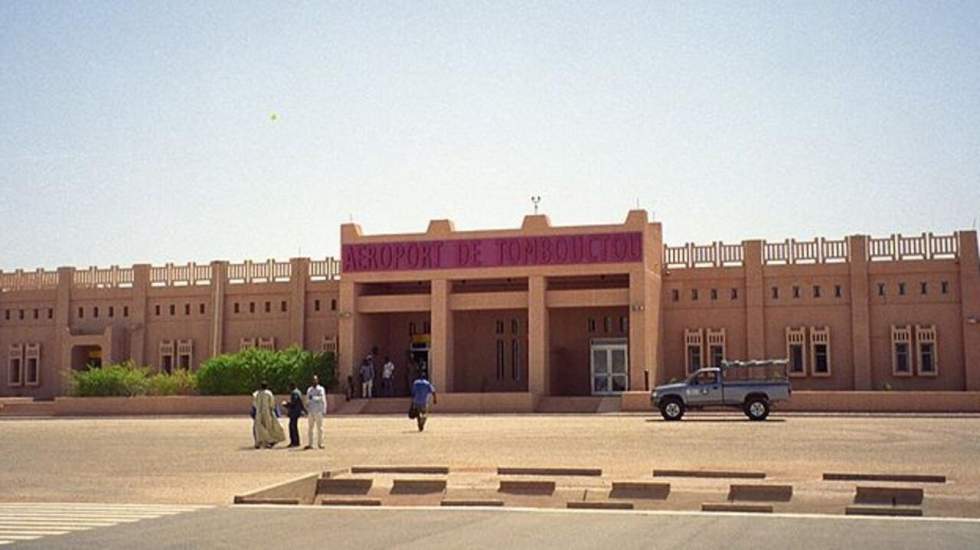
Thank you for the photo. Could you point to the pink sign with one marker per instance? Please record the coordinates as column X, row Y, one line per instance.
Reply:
column 511, row 251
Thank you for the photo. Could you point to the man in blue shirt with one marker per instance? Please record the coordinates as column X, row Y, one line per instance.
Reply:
column 421, row 389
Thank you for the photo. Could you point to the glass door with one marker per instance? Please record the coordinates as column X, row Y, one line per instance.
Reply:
column 610, row 368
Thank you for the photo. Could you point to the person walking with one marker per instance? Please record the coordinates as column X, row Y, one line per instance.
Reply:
column 421, row 390
column 367, row 377
column 316, row 406
column 266, row 428
column 294, row 409
column 387, row 373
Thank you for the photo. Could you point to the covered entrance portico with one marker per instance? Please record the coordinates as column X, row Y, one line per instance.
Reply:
column 514, row 315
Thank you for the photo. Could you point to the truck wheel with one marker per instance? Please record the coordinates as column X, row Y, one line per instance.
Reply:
column 672, row 409
column 757, row 408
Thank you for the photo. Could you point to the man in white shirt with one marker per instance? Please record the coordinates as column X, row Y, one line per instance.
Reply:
column 387, row 373
column 316, row 406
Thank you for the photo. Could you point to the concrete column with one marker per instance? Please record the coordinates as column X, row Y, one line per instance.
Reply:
column 137, row 314
column 644, row 329
column 441, row 345
column 755, row 300
column 62, row 323
column 219, row 283
column 300, row 275
column 857, row 246
column 970, row 304
column 347, row 330
column 538, row 337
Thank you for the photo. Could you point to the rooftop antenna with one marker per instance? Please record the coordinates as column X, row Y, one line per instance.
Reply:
column 637, row 203
column 535, row 199
column 350, row 217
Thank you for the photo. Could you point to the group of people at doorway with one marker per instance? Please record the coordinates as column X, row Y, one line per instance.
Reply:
column 267, row 431
column 367, row 373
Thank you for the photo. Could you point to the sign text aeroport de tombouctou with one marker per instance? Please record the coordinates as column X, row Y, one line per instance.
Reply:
column 500, row 252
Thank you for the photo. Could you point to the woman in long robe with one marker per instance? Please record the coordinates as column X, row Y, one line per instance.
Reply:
column 266, row 427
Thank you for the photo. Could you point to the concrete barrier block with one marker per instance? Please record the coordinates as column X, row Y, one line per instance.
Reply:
column 906, row 478
column 599, row 505
column 709, row 474
column 261, row 500
column 889, row 495
column 507, row 471
column 346, row 486
column 733, row 507
column 639, row 489
column 417, row 486
column 440, row 470
column 527, row 487
column 882, row 511
column 351, row 502
column 473, row 502
column 772, row 493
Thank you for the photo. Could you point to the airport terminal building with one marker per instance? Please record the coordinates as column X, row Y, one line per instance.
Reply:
column 519, row 315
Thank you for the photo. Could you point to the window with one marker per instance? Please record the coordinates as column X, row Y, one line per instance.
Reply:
column 694, row 294
column 837, row 291
column 499, row 328
column 795, row 342
column 201, row 309
column 316, row 305
column 268, row 307
column 607, row 325
column 775, row 293
column 734, row 294
column 50, row 313
column 20, row 314
column 246, row 343
column 796, row 291
column 112, row 312
column 500, row 359
column 267, row 343
column 37, row 313
column 901, row 289
column 81, row 313
column 693, row 342
column 716, row 347
column 675, row 295
column 167, row 356
column 173, row 310
column 125, row 311
column 714, row 293
column 923, row 288
column 282, row 306
column 187, row 309
column 881, row 289
column 32, row 375
column 185, row 354
column 591, row 325
column 333, row 305
column 944, row 287
column 515, row 359
column 156, row 310
column 820, row 350
column 251, row 307
column 515, row 326
column 925, row 337
column 901, row 344
column 624, row 324
column 236, row 307
column 15, row 365
column 816, row 291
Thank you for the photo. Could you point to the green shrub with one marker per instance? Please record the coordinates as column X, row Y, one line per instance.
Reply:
column 123, row 379
column 241, row 373
column 180, row 382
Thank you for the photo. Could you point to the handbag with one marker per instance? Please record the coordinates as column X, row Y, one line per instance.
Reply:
column 413, row 413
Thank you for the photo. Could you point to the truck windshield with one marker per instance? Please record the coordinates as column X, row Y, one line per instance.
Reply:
column 703, row 378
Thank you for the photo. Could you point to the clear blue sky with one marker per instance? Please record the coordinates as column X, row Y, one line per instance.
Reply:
column 142, row 131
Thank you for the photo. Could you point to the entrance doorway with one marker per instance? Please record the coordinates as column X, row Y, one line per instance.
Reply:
column 85, row 357
column 419, row 356
column 610, row 365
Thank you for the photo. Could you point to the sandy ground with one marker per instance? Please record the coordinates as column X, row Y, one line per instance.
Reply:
column 208, row 460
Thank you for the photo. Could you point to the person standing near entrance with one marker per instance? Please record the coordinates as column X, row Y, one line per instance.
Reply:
column 294, row 409
column 316, row 405
column 421, row 389
column 367, row 377
column 387, row 373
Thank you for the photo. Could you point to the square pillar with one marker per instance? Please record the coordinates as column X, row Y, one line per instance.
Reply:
column 219, row 282
column 857, row 246
column 644, row 330
column 538, row 337
column 137, row 317
column 299, row 275
column 347, row 331
column 62, row 323
column 755, row 293
column 970, row 304
column 441, row 343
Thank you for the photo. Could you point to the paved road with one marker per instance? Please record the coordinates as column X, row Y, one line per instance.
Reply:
column 431, row 529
